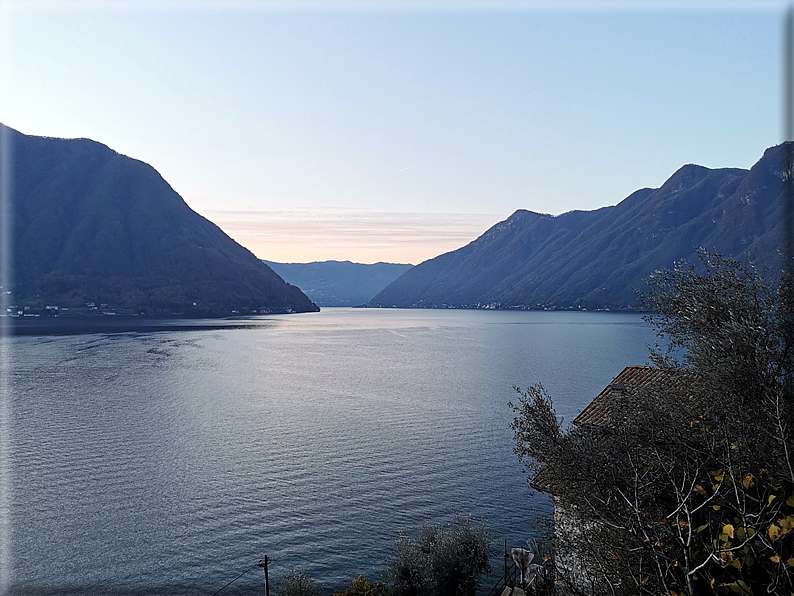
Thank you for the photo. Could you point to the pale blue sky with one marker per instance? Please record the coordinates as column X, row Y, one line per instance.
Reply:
column 396, row 134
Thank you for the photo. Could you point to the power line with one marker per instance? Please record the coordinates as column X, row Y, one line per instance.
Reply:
column 234, row 580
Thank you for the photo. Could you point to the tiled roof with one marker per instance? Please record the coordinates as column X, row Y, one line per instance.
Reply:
column 632, row 381
column 540, row 481
column 628, row 382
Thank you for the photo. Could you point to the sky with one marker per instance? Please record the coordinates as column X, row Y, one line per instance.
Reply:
column 396, row 131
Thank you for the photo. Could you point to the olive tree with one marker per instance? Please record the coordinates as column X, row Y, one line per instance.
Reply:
column 297, row 583
column 689, row 488
column 363, row 587
column 440, row 560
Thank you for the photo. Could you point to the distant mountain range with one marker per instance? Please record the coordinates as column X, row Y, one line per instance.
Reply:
column 593, row 259
column 91, row 226
column 339, row 283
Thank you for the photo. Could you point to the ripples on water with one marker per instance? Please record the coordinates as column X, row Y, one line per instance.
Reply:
column 169, row 462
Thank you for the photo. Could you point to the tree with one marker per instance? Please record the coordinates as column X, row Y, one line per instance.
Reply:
column 297, row 583
column 363, row 587
column 440, row 560
column 689, row 487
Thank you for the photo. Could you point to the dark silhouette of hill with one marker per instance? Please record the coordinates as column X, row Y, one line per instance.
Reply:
column 594, row 259
column 91, row 225
column 339, row 283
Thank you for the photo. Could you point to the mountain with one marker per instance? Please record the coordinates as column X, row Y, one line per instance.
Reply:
column 593, row 259
column 339, row 283
column 91, row 225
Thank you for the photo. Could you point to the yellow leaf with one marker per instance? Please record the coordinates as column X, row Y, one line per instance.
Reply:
column 790, row 562
column 718, row 475
column 728, row 529
column 786, row 522
column 773, row 531
column 775, row 558
column 701, row 528
column 770, row 499
column 716, row 507
column 748, row 481
column 790, row 501
column 645, row 579
column 738, row 586
column 737, row 563
column 701, row 490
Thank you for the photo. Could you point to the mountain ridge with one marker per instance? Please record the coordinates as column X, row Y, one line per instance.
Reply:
column 592, row 259
column 91, row 225
column 340, row 283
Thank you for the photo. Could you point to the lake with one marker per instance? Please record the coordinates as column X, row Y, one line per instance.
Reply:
column 170, row 461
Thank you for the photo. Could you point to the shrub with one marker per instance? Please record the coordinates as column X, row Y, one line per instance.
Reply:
column 440, row 560
column 297, row 583
column 363, row 587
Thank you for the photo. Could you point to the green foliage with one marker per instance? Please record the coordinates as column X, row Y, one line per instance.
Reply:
column 440, row 560
column 688, row 487
column 297, row 583
column 363, row 587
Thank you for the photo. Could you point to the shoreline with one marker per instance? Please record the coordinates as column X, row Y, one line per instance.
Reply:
column 85, row 325
column 13, row 326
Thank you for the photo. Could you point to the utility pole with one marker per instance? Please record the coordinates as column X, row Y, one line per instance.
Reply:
column 263, row 563
column 505, row 562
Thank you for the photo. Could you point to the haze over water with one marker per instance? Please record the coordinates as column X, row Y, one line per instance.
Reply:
column 171, row 461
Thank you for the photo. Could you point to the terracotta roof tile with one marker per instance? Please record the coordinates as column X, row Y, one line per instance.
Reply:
column 540, row 481
column 631, row 380
column 634, row 381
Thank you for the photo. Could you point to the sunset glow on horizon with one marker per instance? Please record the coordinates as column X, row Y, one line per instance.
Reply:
column 342, row 235
column 395, row 135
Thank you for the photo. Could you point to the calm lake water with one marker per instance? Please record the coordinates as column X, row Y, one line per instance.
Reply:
column 171, row 461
